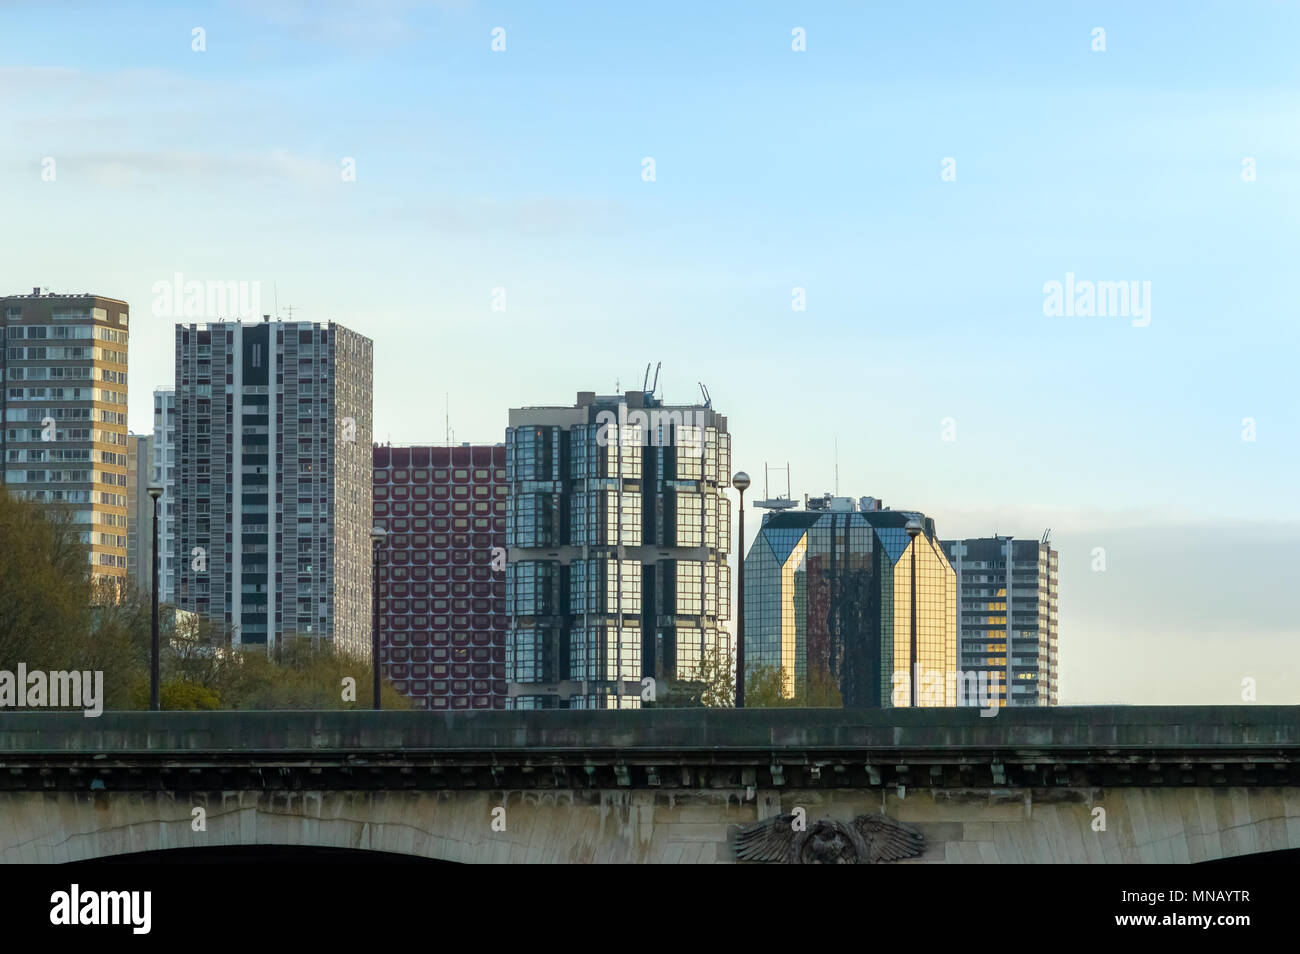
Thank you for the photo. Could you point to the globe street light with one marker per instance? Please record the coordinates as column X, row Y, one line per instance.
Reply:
column 377, row 536
column 913, row 528
column 154, row 493
column 740, row 480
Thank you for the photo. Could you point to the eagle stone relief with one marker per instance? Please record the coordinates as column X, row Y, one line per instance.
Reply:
column 866, row 840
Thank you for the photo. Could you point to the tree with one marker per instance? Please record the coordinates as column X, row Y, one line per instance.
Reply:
column 717, row 679
column 713, row 686
column 776, row 687
column 175, row 695
column 308, row 675
column 766, row 687
column 53, row 617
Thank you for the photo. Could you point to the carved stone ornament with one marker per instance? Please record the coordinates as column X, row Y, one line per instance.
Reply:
column 867, row 840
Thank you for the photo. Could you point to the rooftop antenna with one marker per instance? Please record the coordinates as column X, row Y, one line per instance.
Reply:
column 837, row 467
column 289, row 309
column 446, row 414
column 776, row 503
column 275, row 286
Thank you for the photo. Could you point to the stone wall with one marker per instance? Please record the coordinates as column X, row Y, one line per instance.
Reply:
column 1184, row 824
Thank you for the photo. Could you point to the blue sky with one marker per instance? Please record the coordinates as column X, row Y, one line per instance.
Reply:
column 774, row 169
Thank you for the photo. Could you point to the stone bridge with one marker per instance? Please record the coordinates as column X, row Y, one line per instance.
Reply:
column 1065, row 785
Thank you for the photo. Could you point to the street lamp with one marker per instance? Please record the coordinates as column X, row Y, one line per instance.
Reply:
column 154, row 493
column 913, row 528
column 377, row 535
column 740, row 480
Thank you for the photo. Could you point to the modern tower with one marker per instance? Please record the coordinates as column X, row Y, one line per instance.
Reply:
column 442, row 620
column 1007, row 608
column 617, row 531
column 63, row 400
column 273, row 475
column 828, row 604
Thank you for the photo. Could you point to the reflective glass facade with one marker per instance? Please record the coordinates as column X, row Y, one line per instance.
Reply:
column 617, row 540
column 829, row 594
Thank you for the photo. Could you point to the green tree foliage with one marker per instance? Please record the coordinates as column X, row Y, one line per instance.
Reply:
column 714, row 686
column 51, row 615
column 53, row 618
column 174, row 696
column 308, row 676
column 776, row 687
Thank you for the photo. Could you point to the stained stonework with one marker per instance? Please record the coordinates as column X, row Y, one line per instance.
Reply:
column 1186, row 824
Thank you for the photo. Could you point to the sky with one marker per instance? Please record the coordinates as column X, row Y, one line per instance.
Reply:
column 920, row 172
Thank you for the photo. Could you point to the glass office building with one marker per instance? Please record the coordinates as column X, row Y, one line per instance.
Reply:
column 617, row 535
column 828, row 597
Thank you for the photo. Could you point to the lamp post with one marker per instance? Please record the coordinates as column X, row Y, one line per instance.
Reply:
column 377, row 536
column 913, row 528
column 740, row 480
column 154, row 494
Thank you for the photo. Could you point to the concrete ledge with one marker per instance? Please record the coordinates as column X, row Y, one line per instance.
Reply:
column 805, row 731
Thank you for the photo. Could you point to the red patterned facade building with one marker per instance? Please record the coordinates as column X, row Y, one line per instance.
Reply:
column 442, row 605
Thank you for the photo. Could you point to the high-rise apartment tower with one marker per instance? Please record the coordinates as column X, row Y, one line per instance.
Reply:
column 63, row 401
column 273, row 477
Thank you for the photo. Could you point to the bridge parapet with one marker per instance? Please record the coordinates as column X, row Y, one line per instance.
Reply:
column 1068, row 747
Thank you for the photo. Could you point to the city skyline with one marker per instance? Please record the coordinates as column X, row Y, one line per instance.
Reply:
column 819, row 170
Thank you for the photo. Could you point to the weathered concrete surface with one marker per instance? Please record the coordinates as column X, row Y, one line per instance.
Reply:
column 815, row 749
column 1096, row 728
column 1176, row 784
column 1142, row 825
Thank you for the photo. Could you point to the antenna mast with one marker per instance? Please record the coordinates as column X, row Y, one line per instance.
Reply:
column 776, row 503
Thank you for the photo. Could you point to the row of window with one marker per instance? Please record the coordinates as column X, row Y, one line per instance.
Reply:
column 438, row 475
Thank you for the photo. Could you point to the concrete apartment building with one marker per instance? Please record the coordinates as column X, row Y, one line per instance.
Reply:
column 273, row 480
column 164, row 476
column 617, row 530
column 139, row 531
column 63, row 368
column 1008, row 617
column 442, row 620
